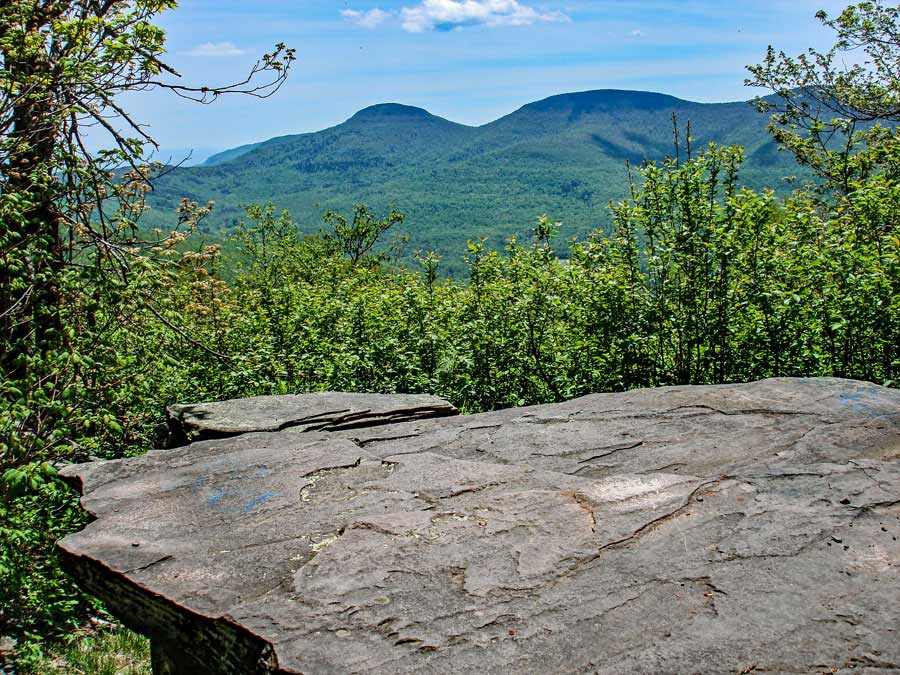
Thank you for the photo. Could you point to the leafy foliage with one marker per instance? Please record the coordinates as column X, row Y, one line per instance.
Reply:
column 68, row 234
column 35, row 595
column 701, row 281
column 829, row 114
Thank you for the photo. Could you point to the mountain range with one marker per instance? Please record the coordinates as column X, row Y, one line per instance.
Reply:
column 564, row 156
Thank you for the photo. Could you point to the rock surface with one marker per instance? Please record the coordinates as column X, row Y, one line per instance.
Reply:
column 323, row 411
column 729, row 529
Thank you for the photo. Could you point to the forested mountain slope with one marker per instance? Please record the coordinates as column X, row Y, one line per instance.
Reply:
column 564, row 156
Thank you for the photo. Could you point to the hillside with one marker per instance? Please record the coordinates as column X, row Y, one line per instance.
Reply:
column 565, row 156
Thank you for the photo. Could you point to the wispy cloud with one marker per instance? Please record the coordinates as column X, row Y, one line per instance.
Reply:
column 445, row 15
column 636, row 33
column 216, row 49
column 371, row 19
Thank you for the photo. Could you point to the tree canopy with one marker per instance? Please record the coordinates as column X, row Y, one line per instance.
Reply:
column 69, row 213
column 837, row 110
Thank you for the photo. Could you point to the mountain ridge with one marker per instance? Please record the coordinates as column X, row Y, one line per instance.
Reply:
column 564, row 155
column 393, row 109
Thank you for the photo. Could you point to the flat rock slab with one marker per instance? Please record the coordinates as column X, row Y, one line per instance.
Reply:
column 322, row 411
column 722, row 529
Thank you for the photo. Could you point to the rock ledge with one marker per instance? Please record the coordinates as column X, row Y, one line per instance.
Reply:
column 730, row 529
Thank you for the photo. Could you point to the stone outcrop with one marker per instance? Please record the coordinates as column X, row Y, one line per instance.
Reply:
column 727, row 529
column 323, row 411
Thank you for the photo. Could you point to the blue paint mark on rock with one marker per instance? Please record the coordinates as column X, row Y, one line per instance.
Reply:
column 256, row 502
column 216, row 497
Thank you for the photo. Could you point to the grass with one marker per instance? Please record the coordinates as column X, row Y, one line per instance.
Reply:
column 111, row 651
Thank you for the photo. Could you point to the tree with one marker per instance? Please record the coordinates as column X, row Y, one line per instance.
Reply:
column 355, row 239
column 838, row 112
column 840, row 119
column 69, row 216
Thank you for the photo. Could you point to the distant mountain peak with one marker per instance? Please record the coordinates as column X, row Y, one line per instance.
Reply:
column 393, row 111
column 606, row 100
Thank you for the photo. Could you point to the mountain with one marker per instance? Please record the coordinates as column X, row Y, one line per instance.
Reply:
column 225, row 155
column 564, row 156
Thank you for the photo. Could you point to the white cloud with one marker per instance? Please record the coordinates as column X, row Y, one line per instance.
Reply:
column 371, row 19
column 216, row 49
column 444, row 15
column 636, row 33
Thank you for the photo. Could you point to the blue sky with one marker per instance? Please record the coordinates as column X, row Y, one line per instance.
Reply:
column 470, row 61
